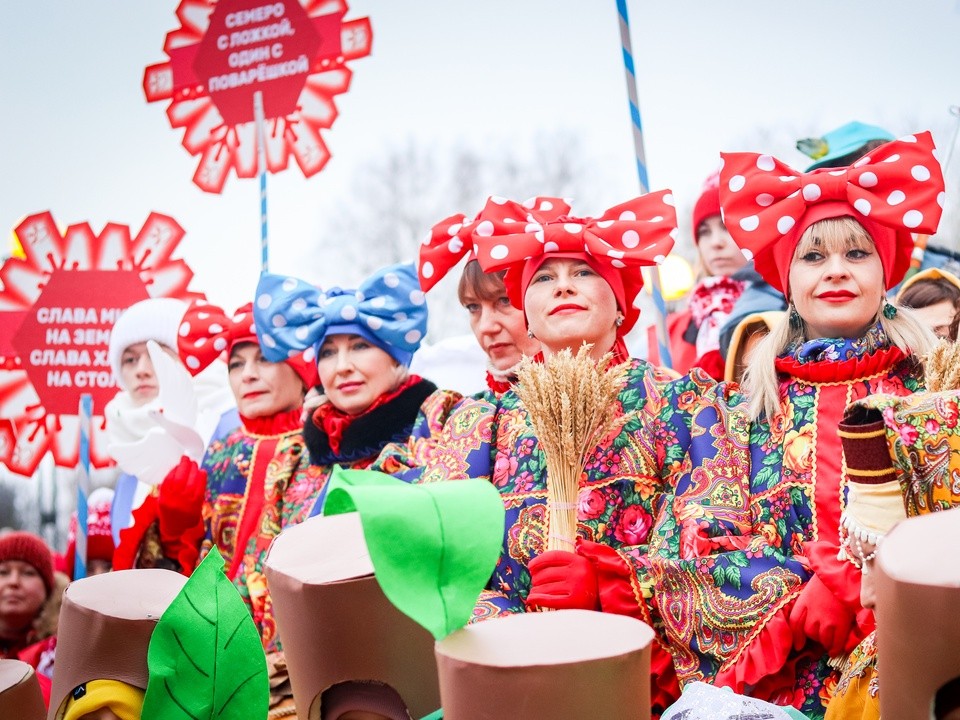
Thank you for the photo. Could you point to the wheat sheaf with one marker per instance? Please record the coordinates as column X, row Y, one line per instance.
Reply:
column 571, row 403
column 941, row 367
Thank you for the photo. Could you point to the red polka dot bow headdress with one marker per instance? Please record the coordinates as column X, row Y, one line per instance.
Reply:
column 895, row 189
column 450, row 239
column 206, row 331
column 626, row 237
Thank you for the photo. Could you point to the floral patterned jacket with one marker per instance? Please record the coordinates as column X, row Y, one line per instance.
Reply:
column 752, row 512
column 492, row 438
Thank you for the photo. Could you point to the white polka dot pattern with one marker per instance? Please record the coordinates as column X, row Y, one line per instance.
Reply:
column 897, row 186
column 390, row 305
column 451, row 239
column 614, row 238
column 629, row 235
column 206, row 331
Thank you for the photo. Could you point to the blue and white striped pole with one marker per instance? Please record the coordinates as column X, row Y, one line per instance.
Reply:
column 262, row 163
column 653, row 276
column 83, row 486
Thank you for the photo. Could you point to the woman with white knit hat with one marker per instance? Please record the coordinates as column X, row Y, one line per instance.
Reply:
column 142, row 447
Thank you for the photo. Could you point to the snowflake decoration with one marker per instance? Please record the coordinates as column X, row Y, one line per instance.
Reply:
column 213, row 129
column 28, row 427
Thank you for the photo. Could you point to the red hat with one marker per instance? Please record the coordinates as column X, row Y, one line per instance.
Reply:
column 207, row 331
column 708, row 204
column 627, row 236
column 31, row 549
column 99, row 536
column 894, row 190
column 449, row 240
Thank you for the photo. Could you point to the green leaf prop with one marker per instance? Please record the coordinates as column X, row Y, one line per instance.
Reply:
column 433, row 546
column 205, row 657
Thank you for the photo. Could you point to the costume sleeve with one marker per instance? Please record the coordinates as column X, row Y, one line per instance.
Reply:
column 407, row 459
column 457, row 443
column 291, row 487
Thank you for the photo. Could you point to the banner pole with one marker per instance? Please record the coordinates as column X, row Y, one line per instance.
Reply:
column 262, row 163
column 653, row 273
column 83, row 486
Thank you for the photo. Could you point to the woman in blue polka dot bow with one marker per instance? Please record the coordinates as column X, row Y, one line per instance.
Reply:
column 363, row 340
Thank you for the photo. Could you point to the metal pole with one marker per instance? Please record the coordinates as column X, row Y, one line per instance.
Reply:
column 262, row 162
column 83, row 486
column 653, row 273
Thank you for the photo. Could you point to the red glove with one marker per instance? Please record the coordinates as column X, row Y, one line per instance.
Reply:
column 180, row 504
column 821, row 617
column 562, row 580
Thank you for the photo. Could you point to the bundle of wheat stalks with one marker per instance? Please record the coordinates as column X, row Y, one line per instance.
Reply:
column 572, row 405
column 941, row 367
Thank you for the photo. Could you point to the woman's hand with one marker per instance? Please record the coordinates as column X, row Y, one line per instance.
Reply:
column 820, row 616
column 180, row 502
column 562, row 580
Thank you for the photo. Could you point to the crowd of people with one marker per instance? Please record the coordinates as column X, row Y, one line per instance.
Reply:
column 737, row 509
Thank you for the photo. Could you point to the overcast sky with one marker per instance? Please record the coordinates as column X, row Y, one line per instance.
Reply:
column 78, row 138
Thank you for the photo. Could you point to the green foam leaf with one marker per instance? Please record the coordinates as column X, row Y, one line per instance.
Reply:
column 433, row 546
column 205, row 657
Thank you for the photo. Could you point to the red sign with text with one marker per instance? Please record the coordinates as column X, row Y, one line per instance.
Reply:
column 64, row 338
column 295, row 53
column 57, row 308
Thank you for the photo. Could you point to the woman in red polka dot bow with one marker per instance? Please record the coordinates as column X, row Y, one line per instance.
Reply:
column 747, row 581
column 575, row 280
column 500, row 328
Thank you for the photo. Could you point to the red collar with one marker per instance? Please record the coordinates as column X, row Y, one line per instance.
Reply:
column 334, row 422
column 278, row 424
column 827, row 371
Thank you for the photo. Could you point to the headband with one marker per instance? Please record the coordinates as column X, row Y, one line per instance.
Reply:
column 626, row 237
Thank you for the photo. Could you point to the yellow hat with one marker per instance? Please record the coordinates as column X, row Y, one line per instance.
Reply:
column 126, row 701
column 762, row 321
column 928, row 275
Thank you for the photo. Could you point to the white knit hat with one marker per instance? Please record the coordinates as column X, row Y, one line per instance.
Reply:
column 155, row 319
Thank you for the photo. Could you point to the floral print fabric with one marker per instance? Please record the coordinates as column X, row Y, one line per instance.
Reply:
column 732, row 548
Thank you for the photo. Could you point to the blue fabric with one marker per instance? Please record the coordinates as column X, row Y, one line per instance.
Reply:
column 839, row 349
column 388, row 309
column 757, row 297
column 122, row 505
column 847, row 139
column 229, row 421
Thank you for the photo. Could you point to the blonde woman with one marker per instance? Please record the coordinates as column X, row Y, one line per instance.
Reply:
column 744, row 555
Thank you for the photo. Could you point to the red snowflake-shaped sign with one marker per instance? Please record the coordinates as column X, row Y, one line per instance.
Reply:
column 57, row 307
column 295, row 52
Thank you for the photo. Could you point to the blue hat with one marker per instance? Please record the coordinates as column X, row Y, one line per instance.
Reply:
column 388, row 309
column 836, row 144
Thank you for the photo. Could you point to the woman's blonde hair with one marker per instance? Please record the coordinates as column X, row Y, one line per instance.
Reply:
column 904, row 330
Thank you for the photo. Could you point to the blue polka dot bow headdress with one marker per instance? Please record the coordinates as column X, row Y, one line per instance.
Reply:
column 388, row 309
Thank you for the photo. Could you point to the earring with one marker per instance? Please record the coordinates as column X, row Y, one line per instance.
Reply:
column 619, row 321
column 796, row 322
column 889, row 310
column 530, row 334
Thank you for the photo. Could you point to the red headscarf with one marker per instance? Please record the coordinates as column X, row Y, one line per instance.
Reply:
column 627, row 236
column 895, row 189
column 207, row 331
column 450, row 239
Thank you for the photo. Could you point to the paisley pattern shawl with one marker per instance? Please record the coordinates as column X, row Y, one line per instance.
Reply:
column 731, row 550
